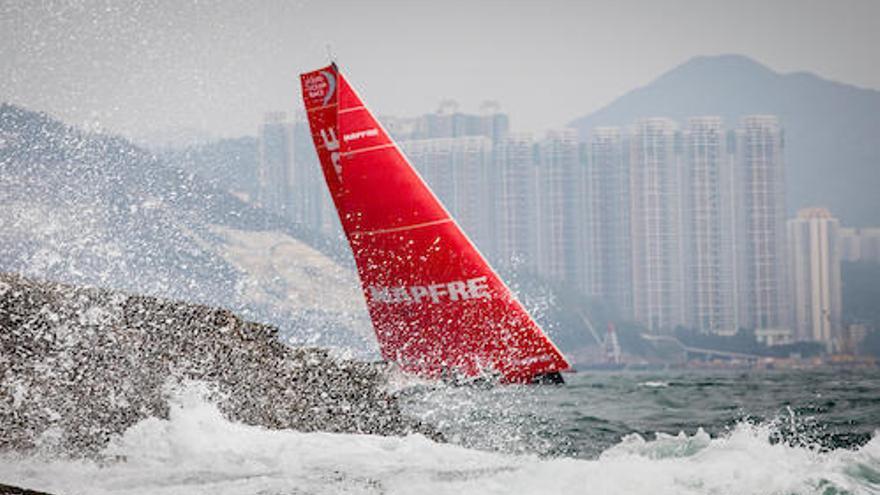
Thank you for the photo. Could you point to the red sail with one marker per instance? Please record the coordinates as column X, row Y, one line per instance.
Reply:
column 436, row 304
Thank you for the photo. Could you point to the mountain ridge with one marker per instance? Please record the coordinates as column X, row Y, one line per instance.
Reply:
column 832, row 128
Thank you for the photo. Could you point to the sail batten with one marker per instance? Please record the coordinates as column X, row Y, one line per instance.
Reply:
column 436, row 305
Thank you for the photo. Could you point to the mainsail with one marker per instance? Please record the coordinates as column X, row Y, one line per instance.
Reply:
column 437, row 306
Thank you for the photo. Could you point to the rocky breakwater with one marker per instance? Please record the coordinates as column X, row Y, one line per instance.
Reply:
column 80, row 365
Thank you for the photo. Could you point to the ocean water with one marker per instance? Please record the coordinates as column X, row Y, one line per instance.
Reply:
column 608, row 433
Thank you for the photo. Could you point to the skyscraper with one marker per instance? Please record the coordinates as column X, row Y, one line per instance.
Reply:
column 448, row 122
column 850, row 244
column 457, row 171
column 474, row 192
column 311, row 203
column 515, row 177
column 434, row 159
column 606, row 272
column 815, row 269
column 559, row 215
column 870, row 244
column 655, row 224
column 860, row 244
column 709, row 264
column 456, row 155
column 276, row 168
column 760, row 206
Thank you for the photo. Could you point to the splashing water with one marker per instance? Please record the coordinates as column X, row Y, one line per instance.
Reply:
column 196, row 450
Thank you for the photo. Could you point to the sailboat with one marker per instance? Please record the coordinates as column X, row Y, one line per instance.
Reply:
column 437, row 307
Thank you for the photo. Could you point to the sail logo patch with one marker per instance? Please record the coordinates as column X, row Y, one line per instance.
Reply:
column 321, row 86
column 457, row 290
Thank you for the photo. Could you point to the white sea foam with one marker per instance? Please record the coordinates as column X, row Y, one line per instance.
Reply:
column 198, row 451
column 654, row 384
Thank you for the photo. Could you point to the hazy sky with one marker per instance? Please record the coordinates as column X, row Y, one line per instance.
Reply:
column 147, row 67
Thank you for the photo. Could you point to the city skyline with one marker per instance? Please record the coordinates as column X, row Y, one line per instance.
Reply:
column 669, row 223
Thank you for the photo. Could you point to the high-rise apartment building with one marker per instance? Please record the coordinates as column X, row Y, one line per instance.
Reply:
column 655, row 224
column 448, row 122
column 850, row 244
column 760, row 206
column 311, row 203
column 869, row 244
column 456, row 154
column 707, row 230
column 434, row 158
column 559, row 213
column 515, row 177
column 457, row 170
column 474, row 206
column 860, row 244
column 815, row 270
column 606, row 261
column 276, row 164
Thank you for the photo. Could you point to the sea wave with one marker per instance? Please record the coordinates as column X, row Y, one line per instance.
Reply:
column 654, row 384
column 197, row 450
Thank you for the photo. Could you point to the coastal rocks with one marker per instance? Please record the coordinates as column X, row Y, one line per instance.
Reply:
column 14, row 490
column 80, row 365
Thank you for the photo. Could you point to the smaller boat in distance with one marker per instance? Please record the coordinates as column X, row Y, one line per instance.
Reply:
column 437, row 307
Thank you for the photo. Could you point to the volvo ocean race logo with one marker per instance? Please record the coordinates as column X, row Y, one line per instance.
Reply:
column 458, row 290
column 321, row 87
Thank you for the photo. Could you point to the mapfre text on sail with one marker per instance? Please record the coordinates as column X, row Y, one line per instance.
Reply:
column 457, row 290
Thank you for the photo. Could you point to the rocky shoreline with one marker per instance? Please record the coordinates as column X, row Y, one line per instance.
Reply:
column 81, row 365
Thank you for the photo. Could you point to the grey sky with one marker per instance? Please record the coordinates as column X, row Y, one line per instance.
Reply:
column 155, row 66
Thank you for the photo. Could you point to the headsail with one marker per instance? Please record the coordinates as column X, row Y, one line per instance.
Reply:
column 436, row 304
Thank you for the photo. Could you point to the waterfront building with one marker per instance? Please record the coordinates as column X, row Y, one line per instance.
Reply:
column 850, row 244
column 515, row 177
column 276, row 164
column 457, row 170
column 312, row 205
column 559, row 212
column 709, row 261
column 860, row 244
column 433, row 159
column 606, row 272
column 869, row 240
column 448, row 122
column 655, row 224
column 760, row 224
column 474, row 206
column 815, row 269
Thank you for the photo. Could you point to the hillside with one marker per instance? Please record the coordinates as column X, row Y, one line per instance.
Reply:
column 832, row 130
column 230, row 164
column 92, row 209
